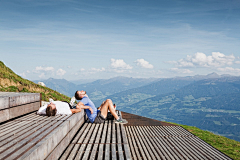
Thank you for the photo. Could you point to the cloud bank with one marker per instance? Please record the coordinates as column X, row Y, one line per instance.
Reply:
column 199, row 59
column 144, row 64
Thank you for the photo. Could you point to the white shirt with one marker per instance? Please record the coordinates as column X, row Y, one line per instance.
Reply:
column 62, row 108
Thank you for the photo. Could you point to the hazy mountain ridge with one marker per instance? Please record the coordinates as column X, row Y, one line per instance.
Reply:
column 211, row 104
column 61, row 85
column 97, row 89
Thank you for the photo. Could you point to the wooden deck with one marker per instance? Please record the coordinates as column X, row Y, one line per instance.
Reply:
column 168, row 142
column 138, row 139
column 30, row 136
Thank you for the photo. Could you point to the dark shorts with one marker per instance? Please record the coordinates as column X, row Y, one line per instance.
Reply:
column 99, row 118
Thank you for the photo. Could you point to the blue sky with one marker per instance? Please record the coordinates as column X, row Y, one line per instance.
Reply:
column 75, row 39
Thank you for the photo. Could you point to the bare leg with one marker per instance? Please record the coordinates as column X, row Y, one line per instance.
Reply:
column 108, row 105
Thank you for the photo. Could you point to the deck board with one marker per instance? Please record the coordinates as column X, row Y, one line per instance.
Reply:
column 168, row 142
column 101, row 141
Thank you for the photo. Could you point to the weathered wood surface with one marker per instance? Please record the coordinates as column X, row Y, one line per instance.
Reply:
column 99, row 141
column 168, row 142
column 14, row 104
column 38, row 137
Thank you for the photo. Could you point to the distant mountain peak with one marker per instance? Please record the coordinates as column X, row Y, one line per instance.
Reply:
column 213, row 75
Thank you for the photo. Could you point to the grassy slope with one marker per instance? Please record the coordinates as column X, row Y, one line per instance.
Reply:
column 227, row 146
column 11, row 82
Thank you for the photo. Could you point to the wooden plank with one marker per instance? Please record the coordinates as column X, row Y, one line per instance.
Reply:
column 100, row 152
column 68, row 133
column 23, row 109
column 4, row 115
column 9, row 129
column 119, row 143
column 153, row 142
column 133, row 139
column 125, row 145
column 18, row 130
column 180, row 149
column 205, row 148
column 107, row 145
column 86, row 140
column 132, row 151
column 148, row 144
column 67, row 152
column 28, row 144
column 4, row 102
column 166, row 147
column 11, row 141
column 194, row 147
column 82, row 135
column 18, row 148
column 76, row 138
column 212, row 150
column 184, row 131
column 162, row 143
column 89, row 146
column 171, row 148
column 139, row 143
column 145, row 145
column 186, row 147
column 94, row 150
column 28, row 117
column 114, row 155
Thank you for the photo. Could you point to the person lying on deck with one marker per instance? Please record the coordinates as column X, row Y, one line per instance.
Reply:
column 96, row 115
column 57, row 108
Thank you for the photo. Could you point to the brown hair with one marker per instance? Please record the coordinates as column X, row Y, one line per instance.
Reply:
column 77, row 95
column 50, row 111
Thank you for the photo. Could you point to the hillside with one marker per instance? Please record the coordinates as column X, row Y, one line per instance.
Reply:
column 11, row 82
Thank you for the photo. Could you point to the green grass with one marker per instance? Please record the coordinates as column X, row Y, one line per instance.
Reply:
column 227, row 146
column 24, row 85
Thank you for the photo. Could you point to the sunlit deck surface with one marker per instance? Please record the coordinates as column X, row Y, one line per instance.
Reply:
column 141, row 138
column 25, row 135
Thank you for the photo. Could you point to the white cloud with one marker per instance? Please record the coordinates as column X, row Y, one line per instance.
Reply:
column 144, row 64
column 97, row 70
column 229, row 69
column 41, row 75
column 119, row 64
column 237, row 62
column 217, row 59
column 184, row 71
column 40, row 68
column 82, row 69
column 60, row 72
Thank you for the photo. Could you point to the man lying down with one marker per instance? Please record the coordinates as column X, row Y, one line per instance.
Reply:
column 57, row 108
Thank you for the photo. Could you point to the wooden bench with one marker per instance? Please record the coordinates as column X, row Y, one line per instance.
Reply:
column 38, row 137
column 32, row 136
